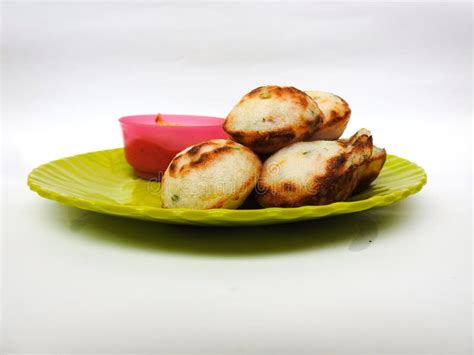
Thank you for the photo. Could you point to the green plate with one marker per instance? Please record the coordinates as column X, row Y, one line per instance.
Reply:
column 103, row 182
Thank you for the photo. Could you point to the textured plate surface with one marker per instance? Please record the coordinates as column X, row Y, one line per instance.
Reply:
column 103, row 182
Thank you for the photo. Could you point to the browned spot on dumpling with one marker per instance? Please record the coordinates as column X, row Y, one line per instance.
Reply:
column 336, row 113
column 264, row 141
column 371, row 169
column 194, row 150
column 172, row 168
column 214, row 174
column 333, row 179
column 194, row 158
column 337, row 162
column 289, row 186
column 269, row 118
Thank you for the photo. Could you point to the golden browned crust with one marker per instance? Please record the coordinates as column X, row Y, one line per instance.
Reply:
column 266, row 142
column 335, row 186
column 370, row 171
column 195, row 158
column 273, row 139
column 319, row 191
column 337, row 116
column 335, row 121
column 282, row 92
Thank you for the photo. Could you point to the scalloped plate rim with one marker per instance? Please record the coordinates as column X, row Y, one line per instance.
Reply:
column 195, row 217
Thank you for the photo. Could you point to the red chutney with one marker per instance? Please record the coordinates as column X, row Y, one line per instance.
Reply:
column 152, row 141
column 146, row 157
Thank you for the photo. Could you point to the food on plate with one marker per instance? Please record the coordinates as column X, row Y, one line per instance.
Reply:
column 336, row 114
column 296, row 132
column 313, row 173
column 371, row 169
column 269, row 118
column 217, row 173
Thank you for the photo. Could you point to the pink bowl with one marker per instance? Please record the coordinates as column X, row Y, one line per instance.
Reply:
column 150, row 147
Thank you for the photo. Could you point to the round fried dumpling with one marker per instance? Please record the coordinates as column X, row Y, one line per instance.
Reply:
column 313, row 173
column 217, row 173
column 336, row 114
column 269, row 118
column 371, row 169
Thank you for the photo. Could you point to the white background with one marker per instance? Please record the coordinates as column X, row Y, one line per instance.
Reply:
column 79, row 282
